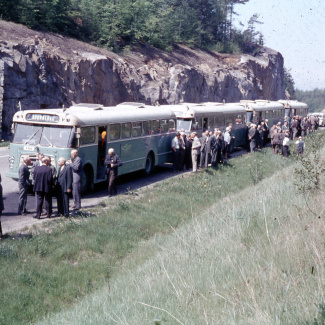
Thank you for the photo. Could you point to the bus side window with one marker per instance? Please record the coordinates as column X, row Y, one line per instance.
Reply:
column 126, row 130
column 229, row 119
column 171, row 125
column 155, row 127
column 219, row 121
column 164, row 126
column 88, row 135
column 199, row 123
column 136, row 129
column 114, row 131
column 146, row 128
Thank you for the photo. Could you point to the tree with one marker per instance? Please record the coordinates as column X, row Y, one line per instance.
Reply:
column 289, row 83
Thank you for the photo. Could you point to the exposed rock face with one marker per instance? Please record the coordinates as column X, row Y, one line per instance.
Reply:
column 43, row 70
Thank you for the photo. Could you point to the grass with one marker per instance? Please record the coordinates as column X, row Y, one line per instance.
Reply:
column 43, row 273
column 4, row 143
column 254, row 257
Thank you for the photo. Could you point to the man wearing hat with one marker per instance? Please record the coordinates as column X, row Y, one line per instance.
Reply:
column 112, row 162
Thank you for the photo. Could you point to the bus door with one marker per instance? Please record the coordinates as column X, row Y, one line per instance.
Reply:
column 205, row 124
column 102, row 150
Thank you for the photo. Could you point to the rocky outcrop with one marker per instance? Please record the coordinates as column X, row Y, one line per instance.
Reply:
column 43, row 70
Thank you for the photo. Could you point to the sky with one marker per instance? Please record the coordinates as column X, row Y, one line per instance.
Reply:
column 296, row 29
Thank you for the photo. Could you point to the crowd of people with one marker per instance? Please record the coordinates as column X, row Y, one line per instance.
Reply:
column 47, row 183
column 211, row 148
column 190, row 151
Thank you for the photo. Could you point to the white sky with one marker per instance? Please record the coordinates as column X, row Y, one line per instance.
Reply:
column 295, row 28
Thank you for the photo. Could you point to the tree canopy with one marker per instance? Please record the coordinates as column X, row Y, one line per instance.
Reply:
column 116, row 23
column 315, row 99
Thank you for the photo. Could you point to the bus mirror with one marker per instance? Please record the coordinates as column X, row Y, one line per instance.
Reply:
column 78, row 133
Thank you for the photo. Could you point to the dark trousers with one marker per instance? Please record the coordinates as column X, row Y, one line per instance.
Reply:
column 175, row 159
column 180, row 160
column 48, row 203
column 0, row 224
column 22, row 199
column 285, row 151
column 76, row 195
column 111, row 183
column 63, row 201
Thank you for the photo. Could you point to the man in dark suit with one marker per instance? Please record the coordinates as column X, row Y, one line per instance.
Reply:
column 112, row 162
column 64, row 186
column 23, row 184
column 43, row 182
column 77, row 171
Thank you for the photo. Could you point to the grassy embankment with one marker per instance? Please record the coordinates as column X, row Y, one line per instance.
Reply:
column 255, row 257
column 237, row 260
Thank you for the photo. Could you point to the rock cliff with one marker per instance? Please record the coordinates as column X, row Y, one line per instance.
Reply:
column 43, row 70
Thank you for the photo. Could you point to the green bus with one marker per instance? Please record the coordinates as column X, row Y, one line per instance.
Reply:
column 141, row 135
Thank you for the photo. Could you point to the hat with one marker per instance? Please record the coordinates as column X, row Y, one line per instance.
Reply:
column 110, row 150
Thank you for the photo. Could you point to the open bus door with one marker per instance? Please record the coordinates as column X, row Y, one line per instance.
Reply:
column 102, row 143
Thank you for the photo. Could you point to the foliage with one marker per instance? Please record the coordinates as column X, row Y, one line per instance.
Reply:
column 289, row 83
column 315, row 99
column 115, row 23
column 311, row 167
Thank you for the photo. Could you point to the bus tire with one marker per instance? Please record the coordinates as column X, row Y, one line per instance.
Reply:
column 87, row 180
column 232, row 146
column 150, row 163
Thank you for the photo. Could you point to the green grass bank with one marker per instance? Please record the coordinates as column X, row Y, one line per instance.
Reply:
column 46, row 271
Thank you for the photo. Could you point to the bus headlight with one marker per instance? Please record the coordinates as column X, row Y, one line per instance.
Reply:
column 11, row 162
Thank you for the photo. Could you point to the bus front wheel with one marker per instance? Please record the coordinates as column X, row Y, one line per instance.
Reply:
column 150, row 162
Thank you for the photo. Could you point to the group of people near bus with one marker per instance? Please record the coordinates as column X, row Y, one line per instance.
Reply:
column 196, row 152
column 48, row 182
column 213, row 147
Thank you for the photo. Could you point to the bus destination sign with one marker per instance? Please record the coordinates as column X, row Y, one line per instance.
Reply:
column 42, row 118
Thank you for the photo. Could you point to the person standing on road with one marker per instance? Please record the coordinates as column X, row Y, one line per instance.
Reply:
column 77, row 171
column 196, row 146
column 23, row 184
column 112, row 162
column 1, row 206
column 64, row 186
column 43, row 182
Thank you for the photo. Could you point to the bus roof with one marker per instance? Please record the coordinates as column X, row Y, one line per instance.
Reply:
column 82, row 115
column 292, row 103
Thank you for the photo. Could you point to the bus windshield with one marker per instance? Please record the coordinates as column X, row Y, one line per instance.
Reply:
column 48, row 136
column 184, row 124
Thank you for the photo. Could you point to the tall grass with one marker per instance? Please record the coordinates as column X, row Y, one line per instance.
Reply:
column 254, row 257
column 46, row 271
